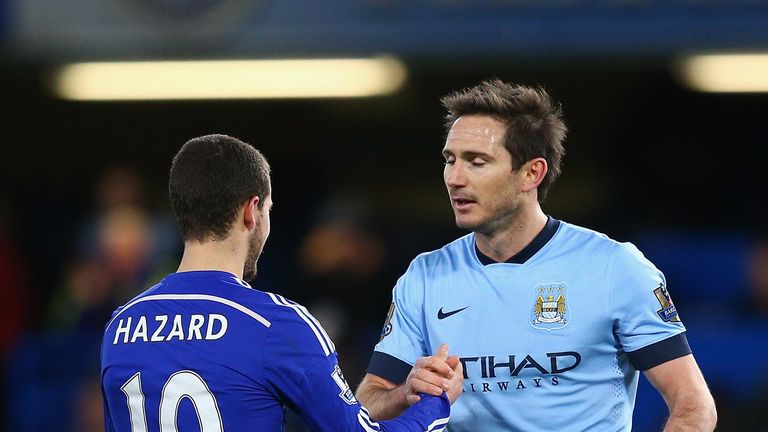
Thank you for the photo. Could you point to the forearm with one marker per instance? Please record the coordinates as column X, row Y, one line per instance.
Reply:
column 696, row 414
column 382, row 403
column 430, row 413
column 681, row 384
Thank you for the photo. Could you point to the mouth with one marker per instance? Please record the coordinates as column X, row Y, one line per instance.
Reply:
column 462, row 204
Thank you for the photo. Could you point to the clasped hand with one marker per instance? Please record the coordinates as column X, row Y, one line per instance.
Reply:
column 434, row 375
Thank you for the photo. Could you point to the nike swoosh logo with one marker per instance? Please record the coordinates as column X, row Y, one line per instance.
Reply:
column 444, row 315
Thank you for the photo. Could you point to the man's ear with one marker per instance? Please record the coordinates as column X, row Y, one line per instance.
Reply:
column 535, row 170
column 251, row 212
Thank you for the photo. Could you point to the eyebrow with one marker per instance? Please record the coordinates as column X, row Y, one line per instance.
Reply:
column 469, row 154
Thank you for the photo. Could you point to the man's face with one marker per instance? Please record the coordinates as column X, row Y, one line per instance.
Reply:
column 483, row 188
column 258, row 239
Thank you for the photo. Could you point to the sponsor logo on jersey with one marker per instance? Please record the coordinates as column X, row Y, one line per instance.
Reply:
column 550, row 309
column 490, row 373
column 346, row 393
column 388, row 323
column 668, row 311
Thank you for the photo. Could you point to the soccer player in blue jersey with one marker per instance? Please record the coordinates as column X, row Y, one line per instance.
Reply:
column 551, row 321
column 204, row 351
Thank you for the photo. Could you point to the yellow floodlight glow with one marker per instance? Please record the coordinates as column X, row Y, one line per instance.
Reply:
column 725, row 73
column 230, row 79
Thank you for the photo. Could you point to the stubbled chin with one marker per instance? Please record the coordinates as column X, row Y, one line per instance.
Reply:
column 464, row 222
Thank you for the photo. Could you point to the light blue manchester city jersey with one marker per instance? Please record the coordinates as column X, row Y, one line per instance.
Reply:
column 550, row 340
column 204, row 351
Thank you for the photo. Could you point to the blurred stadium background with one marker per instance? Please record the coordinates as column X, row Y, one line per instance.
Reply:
column 656, row 156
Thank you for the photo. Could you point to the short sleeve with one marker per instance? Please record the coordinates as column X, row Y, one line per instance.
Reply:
column 646, row 321
column 402, row 338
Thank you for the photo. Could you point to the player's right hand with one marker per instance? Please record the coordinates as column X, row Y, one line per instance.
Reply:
column 434, row 375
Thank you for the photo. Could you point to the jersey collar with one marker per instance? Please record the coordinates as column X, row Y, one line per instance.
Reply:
column 193, row 275
column 527, row 252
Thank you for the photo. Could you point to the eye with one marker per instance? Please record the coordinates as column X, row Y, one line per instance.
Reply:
column 477, row 162
column 449, row 161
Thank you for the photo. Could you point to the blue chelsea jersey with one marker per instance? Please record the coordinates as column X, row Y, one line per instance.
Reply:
column 204, row 351
column 550, row 340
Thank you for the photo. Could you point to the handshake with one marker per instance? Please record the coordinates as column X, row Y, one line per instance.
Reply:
column 434, row 375
column 431, row 375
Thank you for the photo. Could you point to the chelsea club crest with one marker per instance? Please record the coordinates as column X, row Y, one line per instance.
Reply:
column 550, row 307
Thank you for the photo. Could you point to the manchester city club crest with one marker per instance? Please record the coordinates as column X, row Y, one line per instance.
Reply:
column 550, row 307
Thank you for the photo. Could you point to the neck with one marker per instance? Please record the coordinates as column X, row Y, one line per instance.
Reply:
column 222, row 255
column 507, row 241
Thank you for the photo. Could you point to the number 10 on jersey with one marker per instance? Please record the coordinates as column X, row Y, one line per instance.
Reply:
column 180, row 385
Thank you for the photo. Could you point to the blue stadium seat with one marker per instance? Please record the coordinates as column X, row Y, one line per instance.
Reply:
column 43, row 376
column 733, row 356
column 701, row 267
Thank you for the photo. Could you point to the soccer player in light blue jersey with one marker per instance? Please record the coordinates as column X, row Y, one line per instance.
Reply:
column 204, row 351
column 552, row 322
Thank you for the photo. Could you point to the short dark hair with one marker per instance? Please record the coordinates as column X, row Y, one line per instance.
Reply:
column 211, row 177
column 534, row 123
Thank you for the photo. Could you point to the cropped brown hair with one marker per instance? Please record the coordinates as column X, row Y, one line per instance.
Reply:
column 211, row 177
column 534, row 123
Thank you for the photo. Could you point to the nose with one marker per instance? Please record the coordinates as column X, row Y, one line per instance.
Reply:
column 454, row 175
